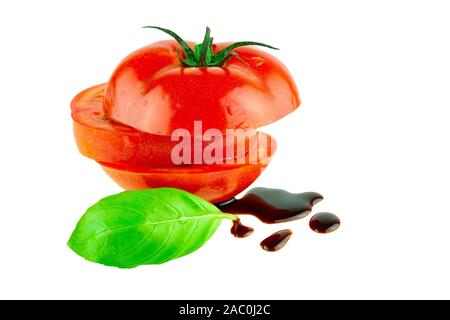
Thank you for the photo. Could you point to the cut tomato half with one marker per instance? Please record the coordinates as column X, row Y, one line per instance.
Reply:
column 215, row 183
column 150, row 90
column 104, row 140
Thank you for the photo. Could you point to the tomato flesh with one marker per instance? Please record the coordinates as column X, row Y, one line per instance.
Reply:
column 215, row 183
column 104, row 140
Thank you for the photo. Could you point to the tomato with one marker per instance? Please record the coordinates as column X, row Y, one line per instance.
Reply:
column 127, row 124
column 102, row 139
column 215, row 183
column 152, row 91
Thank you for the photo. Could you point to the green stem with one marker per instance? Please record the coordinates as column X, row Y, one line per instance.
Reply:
column 204, row 48
column 203, row 56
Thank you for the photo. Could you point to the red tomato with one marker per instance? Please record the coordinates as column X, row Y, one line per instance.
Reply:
column 215, row 183
column 152, row 91
column 126, row 125
column 102, row 139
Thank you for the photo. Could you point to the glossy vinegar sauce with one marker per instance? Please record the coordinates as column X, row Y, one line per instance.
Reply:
column 239, row 230
column 324, row 222
column 276, row 241
column 272, row 206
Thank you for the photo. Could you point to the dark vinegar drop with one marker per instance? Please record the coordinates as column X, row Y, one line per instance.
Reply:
column 324, row 222
column 276, row 241
column 239, row 230
column 273, row 205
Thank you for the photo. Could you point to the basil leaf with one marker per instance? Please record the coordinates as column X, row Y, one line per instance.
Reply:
column 153, row 226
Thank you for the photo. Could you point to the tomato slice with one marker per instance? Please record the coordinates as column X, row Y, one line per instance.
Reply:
column 215, row 183
column 104, row 140
column 150, row 90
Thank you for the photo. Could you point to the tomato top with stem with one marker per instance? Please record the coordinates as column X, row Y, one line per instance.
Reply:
column 170, row 84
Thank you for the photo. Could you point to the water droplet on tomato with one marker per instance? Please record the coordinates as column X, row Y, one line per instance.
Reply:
column 243, row 125
column 231, row 110
column 126, row 140
column 257, row 61
column 98, row 97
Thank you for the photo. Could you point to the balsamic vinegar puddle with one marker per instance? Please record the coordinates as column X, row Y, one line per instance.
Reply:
column 273, row 205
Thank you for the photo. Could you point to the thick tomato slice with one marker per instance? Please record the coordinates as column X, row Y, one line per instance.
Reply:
column 104, row 140
column 215, row 183
column 151, row 91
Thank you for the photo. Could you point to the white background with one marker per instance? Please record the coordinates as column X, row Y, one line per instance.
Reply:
column 372, row 136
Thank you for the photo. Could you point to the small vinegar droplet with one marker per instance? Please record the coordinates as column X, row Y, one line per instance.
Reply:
column 324, row 222
column 239, row 230
column 276, row 241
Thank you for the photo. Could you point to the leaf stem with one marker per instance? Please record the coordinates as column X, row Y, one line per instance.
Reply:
column 230, row 216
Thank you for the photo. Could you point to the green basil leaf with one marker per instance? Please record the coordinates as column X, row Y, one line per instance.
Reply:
column 153, row 226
